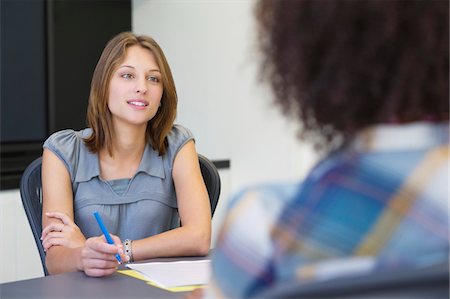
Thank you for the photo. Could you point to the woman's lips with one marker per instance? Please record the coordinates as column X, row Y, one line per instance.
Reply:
column 138, row 103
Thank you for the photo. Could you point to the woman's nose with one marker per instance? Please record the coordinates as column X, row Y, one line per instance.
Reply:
column 141, row 86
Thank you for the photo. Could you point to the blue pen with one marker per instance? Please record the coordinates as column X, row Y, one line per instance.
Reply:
column 106, row 233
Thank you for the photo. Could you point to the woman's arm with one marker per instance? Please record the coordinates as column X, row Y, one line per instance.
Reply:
column 57, row 196
column 66, row 247
column 193, row 238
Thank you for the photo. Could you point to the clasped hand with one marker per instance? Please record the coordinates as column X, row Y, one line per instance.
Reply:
column 97, row 256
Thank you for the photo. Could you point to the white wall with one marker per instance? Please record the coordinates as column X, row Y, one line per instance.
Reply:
column 210, row 47
column 20, row 258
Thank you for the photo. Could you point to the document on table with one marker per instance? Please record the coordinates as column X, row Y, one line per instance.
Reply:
column 175, row 274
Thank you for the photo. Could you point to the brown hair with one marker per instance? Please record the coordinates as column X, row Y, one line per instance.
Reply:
column 340, row 66
column 98, row 114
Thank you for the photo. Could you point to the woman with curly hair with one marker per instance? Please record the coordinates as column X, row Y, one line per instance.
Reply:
column 368, row 83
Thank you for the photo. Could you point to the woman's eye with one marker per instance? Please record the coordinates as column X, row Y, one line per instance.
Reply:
column 127, row 76
column 153, row 79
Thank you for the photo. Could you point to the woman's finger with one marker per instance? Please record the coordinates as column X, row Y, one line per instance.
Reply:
column 117, row 240
column 53, row 234
column 53, row 242
column 61, row 216
column 52, row 227
column 97, row 263
column 95, row 272
column 96, row 247
column 49, row 242
column 96, row 260
column 99, row 244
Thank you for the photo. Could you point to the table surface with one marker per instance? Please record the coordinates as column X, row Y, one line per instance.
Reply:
column 78, row 285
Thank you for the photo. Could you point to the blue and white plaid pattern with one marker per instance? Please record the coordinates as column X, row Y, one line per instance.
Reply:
column 377, row 205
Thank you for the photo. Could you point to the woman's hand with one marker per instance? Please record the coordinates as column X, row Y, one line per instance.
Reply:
column 98, row 257
column 61, row 231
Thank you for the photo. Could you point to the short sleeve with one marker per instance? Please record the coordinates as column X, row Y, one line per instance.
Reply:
column 177, row 138
column 65, row 145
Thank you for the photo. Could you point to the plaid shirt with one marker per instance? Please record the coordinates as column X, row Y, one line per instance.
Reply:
column 378, row 204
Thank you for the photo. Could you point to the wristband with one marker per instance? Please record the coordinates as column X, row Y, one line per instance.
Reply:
column 128, row 249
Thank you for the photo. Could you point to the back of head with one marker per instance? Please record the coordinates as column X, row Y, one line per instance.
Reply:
column 342, row 65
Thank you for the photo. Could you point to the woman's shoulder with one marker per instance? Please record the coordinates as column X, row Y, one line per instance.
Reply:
column 179, row 132
column 258, row 207
column 273, row 195
column 67, row 138
column 67, row 145
column 176, row 139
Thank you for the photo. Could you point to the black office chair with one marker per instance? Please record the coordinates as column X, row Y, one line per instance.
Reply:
column 212, row 181
column 31, row 193
column 428, row 282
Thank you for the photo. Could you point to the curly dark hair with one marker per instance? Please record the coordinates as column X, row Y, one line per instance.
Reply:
column 342, row 65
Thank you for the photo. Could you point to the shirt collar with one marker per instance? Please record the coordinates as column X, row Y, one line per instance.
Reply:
column 418, row 135
column 152, row 163
column 88, row 164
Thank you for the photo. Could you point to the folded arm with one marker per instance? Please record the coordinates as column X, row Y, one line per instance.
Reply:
column 67, row 249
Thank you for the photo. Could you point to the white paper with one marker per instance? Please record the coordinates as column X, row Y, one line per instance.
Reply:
column 175, row 274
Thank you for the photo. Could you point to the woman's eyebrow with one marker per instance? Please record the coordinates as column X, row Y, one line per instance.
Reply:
column 122, row 66
column 132, row 67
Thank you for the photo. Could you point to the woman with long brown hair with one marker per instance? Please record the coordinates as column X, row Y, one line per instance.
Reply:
column 132, row 164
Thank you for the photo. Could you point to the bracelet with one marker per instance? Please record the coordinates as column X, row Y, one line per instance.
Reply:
column 128, row 249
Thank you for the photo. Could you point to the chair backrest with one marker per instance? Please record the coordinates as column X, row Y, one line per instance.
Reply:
column 212, row 181
column 427, row 282
column 31, row 194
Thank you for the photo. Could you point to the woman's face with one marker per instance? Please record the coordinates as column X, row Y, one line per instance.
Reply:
column 135, row 88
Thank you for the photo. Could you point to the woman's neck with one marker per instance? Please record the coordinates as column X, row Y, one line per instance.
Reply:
column 128, row 146
column 128, row 141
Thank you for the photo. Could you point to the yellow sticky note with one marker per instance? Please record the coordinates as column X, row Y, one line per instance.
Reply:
column 134, row 274
column 137, row 275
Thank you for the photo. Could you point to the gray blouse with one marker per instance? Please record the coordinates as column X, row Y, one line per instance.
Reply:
column 143, row 206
